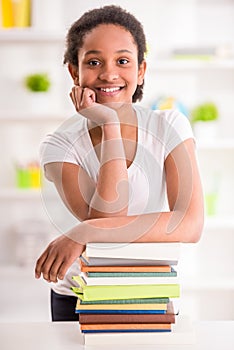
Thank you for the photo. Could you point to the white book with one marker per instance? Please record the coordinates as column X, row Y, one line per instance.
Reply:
column 183, row 332
column 110, row 281
column 144, row 251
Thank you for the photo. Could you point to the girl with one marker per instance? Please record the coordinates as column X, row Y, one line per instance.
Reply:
column 127, row 173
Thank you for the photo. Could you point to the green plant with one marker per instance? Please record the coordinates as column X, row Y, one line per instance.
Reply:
column 205, row 112
column 39, row 82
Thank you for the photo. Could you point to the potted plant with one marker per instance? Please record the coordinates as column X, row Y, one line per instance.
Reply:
column 204, row 120
column 38, row 85
column 39, row 82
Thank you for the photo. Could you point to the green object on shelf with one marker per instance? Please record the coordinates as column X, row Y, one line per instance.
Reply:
column 39, row 82
column 23, row 178
column 211, row 200
column 205, row 112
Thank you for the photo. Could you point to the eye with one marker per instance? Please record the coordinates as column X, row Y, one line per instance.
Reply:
column 93, row 63
column 123, row 61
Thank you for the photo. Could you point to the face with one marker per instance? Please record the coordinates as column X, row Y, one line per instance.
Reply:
column 108, row 64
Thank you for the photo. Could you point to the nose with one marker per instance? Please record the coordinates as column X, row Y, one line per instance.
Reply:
column 108, row 73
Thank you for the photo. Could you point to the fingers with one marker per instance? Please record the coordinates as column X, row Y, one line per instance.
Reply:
column 57, row 258
column 51, row 267
column 39, row 264
column 76, row 96
column 82, row 97
column 88, row 98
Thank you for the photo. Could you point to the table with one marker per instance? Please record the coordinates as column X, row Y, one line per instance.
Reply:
column 213, row 335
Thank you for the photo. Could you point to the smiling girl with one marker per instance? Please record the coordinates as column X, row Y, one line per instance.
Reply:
column 127, row 173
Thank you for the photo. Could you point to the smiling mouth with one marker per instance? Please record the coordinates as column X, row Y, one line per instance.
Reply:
column 109, row 89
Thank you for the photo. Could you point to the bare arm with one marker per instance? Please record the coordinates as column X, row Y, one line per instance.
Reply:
column 84, row 198
column 110, row 198
column 184, row 221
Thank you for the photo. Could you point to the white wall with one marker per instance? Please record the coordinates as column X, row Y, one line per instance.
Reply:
column 168, row 24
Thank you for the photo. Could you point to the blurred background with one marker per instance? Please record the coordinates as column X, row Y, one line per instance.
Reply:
column 190, row 67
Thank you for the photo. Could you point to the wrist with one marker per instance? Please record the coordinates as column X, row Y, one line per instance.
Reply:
column 111, row 130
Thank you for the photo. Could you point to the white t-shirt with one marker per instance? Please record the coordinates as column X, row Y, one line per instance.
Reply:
column 159, row 132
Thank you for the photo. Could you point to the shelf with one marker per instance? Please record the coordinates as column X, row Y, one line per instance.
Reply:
column 30, row 35
column 20, row 194
column 211, row 284
column 211, row 223
column 189, row 64
column 216, row 223
column 217, row 144
column 14, row 117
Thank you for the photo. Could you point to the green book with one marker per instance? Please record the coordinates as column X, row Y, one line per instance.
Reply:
column 127, row 301
column 99, row 292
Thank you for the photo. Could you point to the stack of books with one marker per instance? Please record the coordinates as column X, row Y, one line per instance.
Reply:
column 128, row 289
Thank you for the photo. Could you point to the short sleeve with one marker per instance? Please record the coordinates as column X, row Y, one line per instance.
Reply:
column 56, row 148
column 178, row 129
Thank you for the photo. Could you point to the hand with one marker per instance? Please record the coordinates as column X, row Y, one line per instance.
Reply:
column 57, row 258
column 84, row 100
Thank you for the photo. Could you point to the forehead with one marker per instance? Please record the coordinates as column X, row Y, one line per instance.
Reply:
column 113, row 37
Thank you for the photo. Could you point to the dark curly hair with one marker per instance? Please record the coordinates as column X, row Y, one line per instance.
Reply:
column 105, row 15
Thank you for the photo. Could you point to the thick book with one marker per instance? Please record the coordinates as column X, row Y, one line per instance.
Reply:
column 110, row 281
column 182, row 332
column 125, row 327
column 168, row 317
column 124, row 269
column 100, row 292
column 144, row 251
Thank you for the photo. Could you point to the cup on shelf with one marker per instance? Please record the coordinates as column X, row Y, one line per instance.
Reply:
column 28, row 175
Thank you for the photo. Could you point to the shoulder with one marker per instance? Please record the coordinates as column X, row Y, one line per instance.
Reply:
column 160, row 120
column 72, row 127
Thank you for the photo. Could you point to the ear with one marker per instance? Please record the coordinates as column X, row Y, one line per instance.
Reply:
column 141, row 73
column 73, row 70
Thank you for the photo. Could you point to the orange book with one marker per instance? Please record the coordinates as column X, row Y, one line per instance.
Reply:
column 161, row 268
column 125, row 326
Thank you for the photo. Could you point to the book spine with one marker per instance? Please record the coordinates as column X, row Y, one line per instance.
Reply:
column 124, row 281
column 131, row 291
column 163, row 251
column 132, row 274
column 125, row 318
column 128, row 301
column 123, row 326
column 7, row 13
column 21, row 13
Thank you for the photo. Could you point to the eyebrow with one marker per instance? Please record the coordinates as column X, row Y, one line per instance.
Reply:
column 96, row 52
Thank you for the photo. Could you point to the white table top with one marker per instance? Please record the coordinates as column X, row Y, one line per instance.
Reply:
column 213, row 335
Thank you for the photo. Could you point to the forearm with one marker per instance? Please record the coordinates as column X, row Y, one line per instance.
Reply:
column 174, row 226
column 111, row 195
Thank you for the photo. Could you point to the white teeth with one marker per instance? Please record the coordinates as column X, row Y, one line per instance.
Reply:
column 110, row 89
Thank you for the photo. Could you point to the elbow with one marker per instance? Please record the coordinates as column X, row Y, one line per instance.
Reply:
column 193, row 229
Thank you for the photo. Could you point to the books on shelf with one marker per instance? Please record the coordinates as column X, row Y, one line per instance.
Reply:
column 132, row 292
column 16, row 13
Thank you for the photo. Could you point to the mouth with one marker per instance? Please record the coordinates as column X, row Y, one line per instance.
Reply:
column 110, row 90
